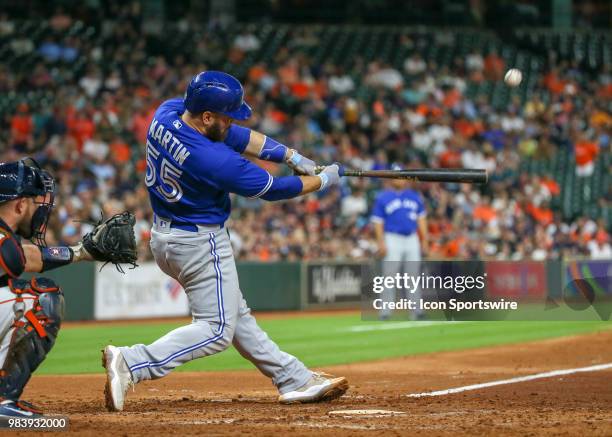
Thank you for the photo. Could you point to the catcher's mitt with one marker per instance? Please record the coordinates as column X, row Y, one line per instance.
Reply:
column 113, row 240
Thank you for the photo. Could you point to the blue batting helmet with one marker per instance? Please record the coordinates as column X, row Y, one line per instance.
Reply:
column 216, row 91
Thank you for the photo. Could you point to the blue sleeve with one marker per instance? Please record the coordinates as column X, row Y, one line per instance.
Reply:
column 286, row 187
column 378, row 212
column 272, row 150
column 238, row 137
column 239, row 175
column 176, row 104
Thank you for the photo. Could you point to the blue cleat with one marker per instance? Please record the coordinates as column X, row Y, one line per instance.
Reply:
column 10, row 408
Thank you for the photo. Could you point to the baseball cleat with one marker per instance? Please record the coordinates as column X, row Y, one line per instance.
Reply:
column 118, row 378
column 321, row 387
column 22, row 409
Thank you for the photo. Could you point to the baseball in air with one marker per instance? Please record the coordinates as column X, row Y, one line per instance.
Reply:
column 513, row 77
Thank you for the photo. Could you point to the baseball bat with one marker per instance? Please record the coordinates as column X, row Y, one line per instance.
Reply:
column 459, row 175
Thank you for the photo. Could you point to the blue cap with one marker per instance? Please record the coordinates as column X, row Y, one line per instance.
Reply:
column 216, row 91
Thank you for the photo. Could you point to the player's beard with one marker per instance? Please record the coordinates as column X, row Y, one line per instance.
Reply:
column 216, row 132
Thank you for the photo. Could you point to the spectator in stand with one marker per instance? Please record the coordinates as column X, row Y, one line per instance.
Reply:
column 340, row 82
column 474, row 61
column 414, row 64
column 22, row 129
column 585, row 152
column 494, row 66
column 247, row 41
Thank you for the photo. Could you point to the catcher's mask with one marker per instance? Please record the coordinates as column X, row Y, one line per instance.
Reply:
column 26, row 178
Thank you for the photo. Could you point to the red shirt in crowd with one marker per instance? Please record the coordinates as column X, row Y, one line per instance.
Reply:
column 120, row 151
column 450, row 159
column 140, row 124
column 552, row 186
column 554, row 84
column 81, row 128
column 586, row 152
column 493, row 66
column 485, row 213
column 21, row 127
column 541, row 215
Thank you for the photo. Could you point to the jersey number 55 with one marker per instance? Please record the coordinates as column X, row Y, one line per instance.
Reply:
column 169, row 186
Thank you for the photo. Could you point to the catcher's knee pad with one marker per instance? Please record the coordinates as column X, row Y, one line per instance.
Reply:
column 35, row 332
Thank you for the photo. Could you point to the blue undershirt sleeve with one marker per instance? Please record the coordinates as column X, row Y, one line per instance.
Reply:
column 238, row 137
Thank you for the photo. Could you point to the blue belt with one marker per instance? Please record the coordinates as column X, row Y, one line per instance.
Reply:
column 184, row 226
column 190, row 227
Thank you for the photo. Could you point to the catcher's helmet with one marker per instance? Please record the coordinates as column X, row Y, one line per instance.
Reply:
column 25, row 178
column 216, row 91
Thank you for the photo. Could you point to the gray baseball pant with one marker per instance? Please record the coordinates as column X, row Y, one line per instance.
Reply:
column 203, row 263
column 403, row 256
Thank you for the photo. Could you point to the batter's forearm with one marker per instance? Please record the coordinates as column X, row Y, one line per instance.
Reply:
column 263, row 147
column 256, row 141
column 268, row 149
column 310, row 184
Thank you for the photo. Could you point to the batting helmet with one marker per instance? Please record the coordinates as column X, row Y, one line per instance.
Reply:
column 216, row 91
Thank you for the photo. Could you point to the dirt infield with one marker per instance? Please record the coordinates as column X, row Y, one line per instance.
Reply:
column 231, row 403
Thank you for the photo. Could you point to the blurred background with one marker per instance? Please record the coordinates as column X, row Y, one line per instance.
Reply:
column 364, row 82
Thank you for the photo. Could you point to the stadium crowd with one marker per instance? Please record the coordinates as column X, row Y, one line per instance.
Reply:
column 91, row 137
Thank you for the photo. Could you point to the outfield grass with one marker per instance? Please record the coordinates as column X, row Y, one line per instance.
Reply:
column 318, row 341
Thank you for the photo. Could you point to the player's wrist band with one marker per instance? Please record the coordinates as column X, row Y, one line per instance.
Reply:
column 273, row 151
column 324, row 181
column 54, row 257
column 296, row 158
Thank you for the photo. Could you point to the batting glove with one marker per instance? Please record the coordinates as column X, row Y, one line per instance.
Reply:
column 330, row 176
column 300, row 164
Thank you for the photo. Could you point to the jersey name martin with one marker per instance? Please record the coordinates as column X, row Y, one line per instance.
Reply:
column 165, row 139
column 396, row 204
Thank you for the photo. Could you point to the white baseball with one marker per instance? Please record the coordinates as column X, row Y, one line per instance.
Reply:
column 513, row 77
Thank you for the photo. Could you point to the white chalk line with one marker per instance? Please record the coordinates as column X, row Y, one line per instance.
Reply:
column 513, row 380
column 384, row 326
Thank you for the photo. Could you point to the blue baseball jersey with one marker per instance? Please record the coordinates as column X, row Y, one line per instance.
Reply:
column 398, row 210
column 189, row 177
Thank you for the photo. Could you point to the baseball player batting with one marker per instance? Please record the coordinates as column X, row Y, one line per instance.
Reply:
column 31, row 311
column 194, row 160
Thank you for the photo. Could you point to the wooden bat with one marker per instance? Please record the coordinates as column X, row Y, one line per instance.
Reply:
column 459, row 175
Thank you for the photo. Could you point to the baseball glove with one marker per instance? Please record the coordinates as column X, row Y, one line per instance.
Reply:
column 113, row 240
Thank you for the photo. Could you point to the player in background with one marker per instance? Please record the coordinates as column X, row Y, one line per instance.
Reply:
column 194, row 160
column 31, row 311
column 398, row 217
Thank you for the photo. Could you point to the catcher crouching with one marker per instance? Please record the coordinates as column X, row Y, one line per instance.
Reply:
column 31, row 311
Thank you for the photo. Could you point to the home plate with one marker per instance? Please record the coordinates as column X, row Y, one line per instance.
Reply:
column 365, row 413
